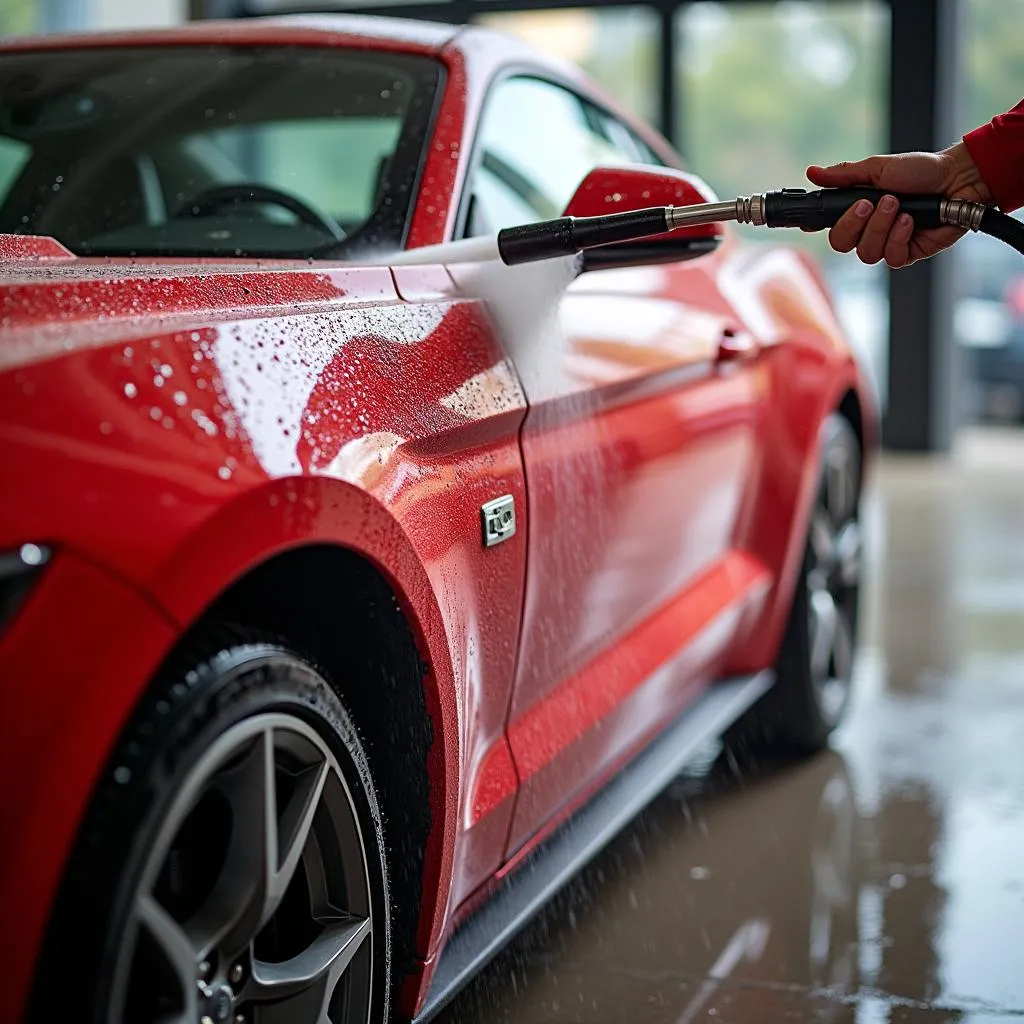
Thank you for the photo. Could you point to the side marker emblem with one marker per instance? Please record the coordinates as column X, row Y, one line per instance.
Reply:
column 499, row 520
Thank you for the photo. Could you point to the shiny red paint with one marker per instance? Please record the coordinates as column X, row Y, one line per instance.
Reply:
column 170, row 426
column 32, row 247
column 632, row 188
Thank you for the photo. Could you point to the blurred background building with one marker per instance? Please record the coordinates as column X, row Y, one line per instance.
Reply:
column 751, row 91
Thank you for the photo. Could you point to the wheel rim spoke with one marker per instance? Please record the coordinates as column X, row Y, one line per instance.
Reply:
column 321, row 965
column 176, row 948
column 848, row 554
column 234, row 909
column 296, row 823
column 842, row 648
column 823, row 540
column 840, row 486
column 823, row 628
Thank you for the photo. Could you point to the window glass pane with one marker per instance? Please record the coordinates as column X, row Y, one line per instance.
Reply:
column 766, row 89
column 13, row 155
column 617, row 48
column 536, row 146
column 989, row 316
column 204, row 150
column 336, row 165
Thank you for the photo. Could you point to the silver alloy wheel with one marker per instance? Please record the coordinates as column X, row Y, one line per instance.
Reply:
column 253, row 901
column 833, row 581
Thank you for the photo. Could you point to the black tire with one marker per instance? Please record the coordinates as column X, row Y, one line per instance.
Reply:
column 171, row 861
column 813, row 684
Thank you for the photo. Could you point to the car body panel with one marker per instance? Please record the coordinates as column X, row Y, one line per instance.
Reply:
column 172, row 425
column 637, row 448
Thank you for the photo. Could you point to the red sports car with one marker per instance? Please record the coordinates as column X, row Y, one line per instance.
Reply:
column 348, row 606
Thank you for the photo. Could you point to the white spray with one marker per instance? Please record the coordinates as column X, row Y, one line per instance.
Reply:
column 524, row 301
column 466, row 250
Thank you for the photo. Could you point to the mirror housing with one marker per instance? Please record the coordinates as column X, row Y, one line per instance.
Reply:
column 623, row 189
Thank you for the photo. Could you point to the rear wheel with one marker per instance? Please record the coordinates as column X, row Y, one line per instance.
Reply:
column 231, row 864
column 815, row 665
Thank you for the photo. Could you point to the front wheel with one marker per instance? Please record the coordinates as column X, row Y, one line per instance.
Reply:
column 231, row 865
column 815, row 665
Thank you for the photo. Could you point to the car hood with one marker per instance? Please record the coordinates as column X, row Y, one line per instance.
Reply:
column 53, row 304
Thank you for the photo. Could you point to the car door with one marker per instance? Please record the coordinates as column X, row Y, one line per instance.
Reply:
column 637, row 446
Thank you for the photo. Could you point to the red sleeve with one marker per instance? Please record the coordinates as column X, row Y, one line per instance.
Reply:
column 997, row 149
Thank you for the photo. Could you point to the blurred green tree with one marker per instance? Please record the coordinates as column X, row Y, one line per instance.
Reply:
column 18, row 17
column 994, row 59
column 767, row 88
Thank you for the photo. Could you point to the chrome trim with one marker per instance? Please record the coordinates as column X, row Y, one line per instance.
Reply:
column 750, row 210
column 701, row 213
column 962, row 213
column 498, row 520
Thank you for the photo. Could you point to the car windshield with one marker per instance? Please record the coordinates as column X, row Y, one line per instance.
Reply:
column 284, row 151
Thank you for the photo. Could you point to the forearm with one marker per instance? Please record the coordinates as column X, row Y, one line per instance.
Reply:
column 997, row 150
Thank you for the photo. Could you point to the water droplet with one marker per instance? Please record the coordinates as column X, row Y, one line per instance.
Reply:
column 180, row 398
column 158, row 381
column 106, row 428
column 155, row 413
column 130, row 390
column 224, row 472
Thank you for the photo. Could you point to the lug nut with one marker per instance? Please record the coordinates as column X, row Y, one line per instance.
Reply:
column 204, row 969
column 237, row 973
column 239, row 1018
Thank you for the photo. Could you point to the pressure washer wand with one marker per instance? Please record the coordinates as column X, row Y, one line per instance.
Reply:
column 786, row 208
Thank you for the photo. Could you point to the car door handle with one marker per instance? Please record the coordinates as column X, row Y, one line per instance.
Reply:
column 735, row 345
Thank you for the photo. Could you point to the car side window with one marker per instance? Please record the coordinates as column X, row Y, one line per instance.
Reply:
column 537, row 142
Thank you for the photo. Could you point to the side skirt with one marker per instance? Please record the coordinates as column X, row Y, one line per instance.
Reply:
column 532, row 884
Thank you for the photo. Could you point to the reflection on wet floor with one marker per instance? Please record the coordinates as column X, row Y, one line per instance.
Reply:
column 880, row 882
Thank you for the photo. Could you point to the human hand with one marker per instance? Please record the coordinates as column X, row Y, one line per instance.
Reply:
column 882, row 231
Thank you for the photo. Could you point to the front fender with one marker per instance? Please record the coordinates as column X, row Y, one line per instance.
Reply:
column 290, row 513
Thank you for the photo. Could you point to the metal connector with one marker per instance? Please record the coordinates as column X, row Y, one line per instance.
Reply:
column 750, row 210
column 962, row 213
column 699, row 214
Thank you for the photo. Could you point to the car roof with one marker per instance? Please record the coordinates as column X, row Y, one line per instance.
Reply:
column 396, row 33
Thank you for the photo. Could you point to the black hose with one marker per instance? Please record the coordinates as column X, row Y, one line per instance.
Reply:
column 1005, row 228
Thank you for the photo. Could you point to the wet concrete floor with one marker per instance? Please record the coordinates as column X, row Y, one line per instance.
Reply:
column 880, row 882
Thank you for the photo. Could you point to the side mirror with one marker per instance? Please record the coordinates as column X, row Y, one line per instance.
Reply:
column 623, row 189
